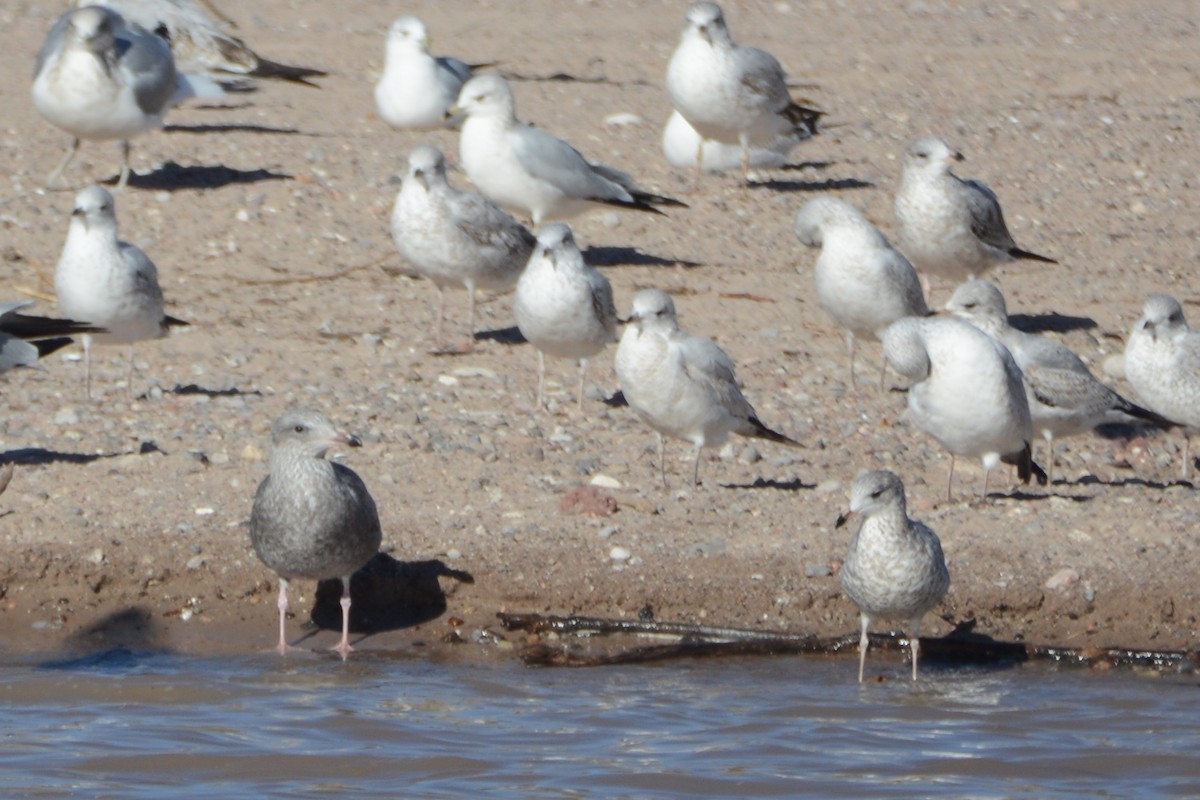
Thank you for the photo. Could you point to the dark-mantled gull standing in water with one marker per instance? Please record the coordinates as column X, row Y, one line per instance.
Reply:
column 99, row 78
column 312, row 518
column 417, row 88
column 563, row 305
column 202, row 44
column 950, row 226
column 863, row 282
column 731, row 93
column 105, row 281
column 682, row 385
column 455, row 237
column 1162, row 362
column 530, row 171
column 1065, row 399
column 25, row 338
column 894, row 568
column 965, row 392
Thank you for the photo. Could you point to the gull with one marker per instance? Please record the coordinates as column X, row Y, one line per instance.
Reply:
column 312, row 518
column 455, row 237
column 682, row 145
column 949, row 226
column 682, row 385
column 100, row 78
column 530, row 171
column 416, row 88
column 25, row 338
column 731, row 93
column 200, row 44
column 107, row 282
column 1162, row 362
column 894, row 568
column 863, row 282
column 1065, row 399
column 563, row 305
column 965, row 392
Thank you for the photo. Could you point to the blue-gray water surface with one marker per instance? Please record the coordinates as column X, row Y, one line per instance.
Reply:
column 134, row 725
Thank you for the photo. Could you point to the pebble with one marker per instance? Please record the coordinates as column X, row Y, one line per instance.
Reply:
column 1062, row 579
column 814, row 570
column 605, row 482
column 66, row 416
column 619, row 553
column 195, row 562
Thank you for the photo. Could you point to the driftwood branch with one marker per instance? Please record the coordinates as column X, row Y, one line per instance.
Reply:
column 698, row 641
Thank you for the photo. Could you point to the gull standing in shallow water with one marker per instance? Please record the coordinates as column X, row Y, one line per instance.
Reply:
column 312, row 518
column 24, row 338
column 1162, row 362
column 100, row 78
column 730, row 93
column 965, row 392
column 682, row 385
column 416, row 89
column 530, row 171
column 201, row 44
column 563, row 305
column 1064, row 397
column 894, row 568
column 863, row 282
column 950, row 226
column 107, row 282
column 451, row 236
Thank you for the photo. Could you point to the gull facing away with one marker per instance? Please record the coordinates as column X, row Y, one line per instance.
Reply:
column 682, row 385
column 563, row 305
column 312, row 518
column 894, row 568
column 1162, row 362
column 100, row 78
column 107, row 282
column 965, row 392
column 455, row 237
column 530, row 171
column 863, row 282
column 1065, row 399
column 949, row 226
column 25, row 338
column 416, row 88
column 731, row 93
column 201, row 44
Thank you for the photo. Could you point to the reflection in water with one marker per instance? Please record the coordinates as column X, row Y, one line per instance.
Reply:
column 136, row 724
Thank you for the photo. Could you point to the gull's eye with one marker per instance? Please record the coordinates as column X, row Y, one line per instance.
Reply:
column 970, row 305
column 299, row 429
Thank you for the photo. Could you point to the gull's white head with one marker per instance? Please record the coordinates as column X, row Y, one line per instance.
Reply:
column 981, row 303
column 822, row 213
column 94, row 27
column 653, row 309
column 1162, row 318
column 94, row 208
column 486, row 96
column 929, row 154
column 408, row 33
column 904, row 348
column 554, row 241
column 706, row 21
column 427, row 166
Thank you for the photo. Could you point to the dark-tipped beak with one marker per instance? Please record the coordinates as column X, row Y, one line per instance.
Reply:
column 843, row 518
column 956, row 157
column 349, row 440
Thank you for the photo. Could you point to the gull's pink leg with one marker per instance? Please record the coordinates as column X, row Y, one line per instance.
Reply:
column 343, row 647
column 283, row 646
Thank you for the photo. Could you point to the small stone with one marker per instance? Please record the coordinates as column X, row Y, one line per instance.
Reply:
column 619, row 553
column 829, row 487
column 605, row 482
column 624, row 118
column 66, row 416
column 1062, row 579
column 814, row 570
column 96, row 556
column 252, row 453
column 454, row 554
column 447, row 380
column 204, row 511
column 750, row 455
column 195, row 562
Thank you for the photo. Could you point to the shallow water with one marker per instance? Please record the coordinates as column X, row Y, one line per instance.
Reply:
column 129, row 725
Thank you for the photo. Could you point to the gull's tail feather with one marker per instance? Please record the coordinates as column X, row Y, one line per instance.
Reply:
column 1027, row 468
column 804, row 120
column 286, row 72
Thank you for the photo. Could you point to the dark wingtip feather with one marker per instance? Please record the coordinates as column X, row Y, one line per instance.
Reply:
column 285, row 72
column 47, row 346
column 174, row 322
column 1025, row 255
column 761, row 431
column 1027, row 468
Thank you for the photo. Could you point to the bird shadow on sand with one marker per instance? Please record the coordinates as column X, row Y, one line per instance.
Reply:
column 234, row 127
column 1092, row 480
column 794, row 485
column 811, row 186
column 118, row 640
column 387, row 595
column 1019, row 494
column 172, row 177
column 40, row 455
column 1051, row 321
column 600, row 256
column 510, row 336
column 192, row 388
